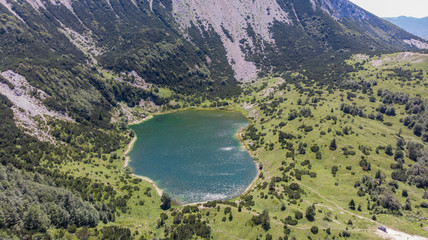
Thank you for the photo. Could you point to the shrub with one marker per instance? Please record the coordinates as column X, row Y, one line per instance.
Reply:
column 333, row 145
column 115, row 232
column 289, row 221
column 210, row 204
column 262, row 219
column 352, row 204
column 294, row 186
column 388, row 150
column 298, row 215
column 334, row 170
column 166, row 201
column 314, row 229
column 361, row 193
column 308, row 128
column 310, row 213
column 36, row 219
column 72, row 228
column 344, row 234
column 286, row 230
column 389, row 124
column 315, row 148
column 417, row 130
column 227, row 210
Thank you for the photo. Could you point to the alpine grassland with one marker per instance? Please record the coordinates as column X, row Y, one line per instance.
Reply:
column 340, row 138
column 336, row 160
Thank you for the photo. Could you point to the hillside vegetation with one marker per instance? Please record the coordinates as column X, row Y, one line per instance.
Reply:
column 336, row 160
column 340, row 137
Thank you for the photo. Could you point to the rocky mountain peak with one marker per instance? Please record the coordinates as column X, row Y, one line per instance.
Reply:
column 340, row 9
column 231, row 20
column 220, row 41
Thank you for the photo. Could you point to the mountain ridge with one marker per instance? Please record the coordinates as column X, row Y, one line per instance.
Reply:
column 191, row 47
column 417, row 26
column 249, row 32
column 330, row 113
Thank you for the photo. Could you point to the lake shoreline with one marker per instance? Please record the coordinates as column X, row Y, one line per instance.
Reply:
column 237, row 136
column 244, row 146
column 128, row 159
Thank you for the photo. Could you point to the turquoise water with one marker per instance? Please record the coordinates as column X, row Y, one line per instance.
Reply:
column 194, row 155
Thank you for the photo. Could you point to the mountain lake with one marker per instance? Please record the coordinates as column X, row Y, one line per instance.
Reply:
column 195, row 155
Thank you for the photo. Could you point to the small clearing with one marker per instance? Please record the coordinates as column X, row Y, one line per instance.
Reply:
column 410, row 57
column 396, row 235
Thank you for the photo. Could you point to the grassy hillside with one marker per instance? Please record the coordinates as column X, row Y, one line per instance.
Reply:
column 318, row 119
column 306, row 184
column 73, row 78
column 292, row 116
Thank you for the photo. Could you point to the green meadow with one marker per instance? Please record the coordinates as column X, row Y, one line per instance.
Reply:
column 305, row 188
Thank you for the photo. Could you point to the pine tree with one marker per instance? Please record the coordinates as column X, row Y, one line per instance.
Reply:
column 36, row 219
column 388, row 150
column 352, row 205
column 265, row 220
column 166, row 202
column 310, row 213
column 333, row 145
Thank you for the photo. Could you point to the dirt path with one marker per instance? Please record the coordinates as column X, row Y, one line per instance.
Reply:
column 336, row 205
column 273, row 221
column 225, row 233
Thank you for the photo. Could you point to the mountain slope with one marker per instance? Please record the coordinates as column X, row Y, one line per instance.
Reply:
column 120, row 35
column 286, row 34
column 195, row 44
column 417, row 26
column 336, row 159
